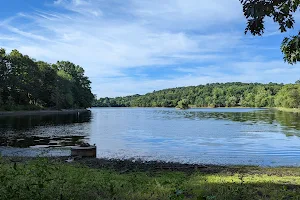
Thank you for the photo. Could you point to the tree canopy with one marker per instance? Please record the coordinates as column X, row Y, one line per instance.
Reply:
column 28, row 84
column 213, row 95
column 183, row 104
column 282, row 12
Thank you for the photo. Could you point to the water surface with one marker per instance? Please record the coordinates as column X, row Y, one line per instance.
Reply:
column 214, row 136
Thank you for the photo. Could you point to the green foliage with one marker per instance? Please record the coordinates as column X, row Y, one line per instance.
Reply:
column 183, row 104
column 290, row 47
column 209, row 95
column 46, row 179
column 25, row 83
column 263, row 98
column 288, row 96
column 281, row 11
column 231, row 101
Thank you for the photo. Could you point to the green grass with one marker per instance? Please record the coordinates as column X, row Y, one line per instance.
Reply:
column 295, row 110
column 48, row 179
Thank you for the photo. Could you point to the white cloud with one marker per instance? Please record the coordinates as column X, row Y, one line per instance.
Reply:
column 263, row 72
column 84, row 7
column 109, row 37
column 25, row 34
column 188, row 14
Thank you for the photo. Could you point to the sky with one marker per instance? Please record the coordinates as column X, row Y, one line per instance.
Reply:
column 136, row 46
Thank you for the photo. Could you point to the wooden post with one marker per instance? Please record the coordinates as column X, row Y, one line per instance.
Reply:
column 90, row 151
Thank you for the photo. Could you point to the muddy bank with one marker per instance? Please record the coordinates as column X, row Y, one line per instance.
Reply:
column 43, row 112
column 132, row 165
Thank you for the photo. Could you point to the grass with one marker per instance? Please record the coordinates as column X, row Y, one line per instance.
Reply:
column 51, row 179
column 295, row 110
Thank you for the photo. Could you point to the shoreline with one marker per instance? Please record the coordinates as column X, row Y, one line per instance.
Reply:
column 190, row 108
column 132, row 165
column 42, row 112
column 294, row 110
column 291, row 110
column 64, row 152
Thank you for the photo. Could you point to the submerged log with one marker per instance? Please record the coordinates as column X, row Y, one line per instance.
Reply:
column 84, row 151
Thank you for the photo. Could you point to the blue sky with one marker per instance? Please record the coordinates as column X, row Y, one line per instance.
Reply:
column 137, row 46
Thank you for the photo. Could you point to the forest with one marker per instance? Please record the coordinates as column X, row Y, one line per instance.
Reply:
column 233, row 94
column 27, row 84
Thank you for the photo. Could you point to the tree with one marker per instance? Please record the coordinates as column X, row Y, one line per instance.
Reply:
column 263, row 98
column 81, row 86
column 47, row 82
column 231, row 101
column 27, row 84
column 210, row 95
column 23, row 79
column 248, row 100
column 218, row 97
column 3, row 72
column 288, row 96
column 281, row 11
column 182, row 104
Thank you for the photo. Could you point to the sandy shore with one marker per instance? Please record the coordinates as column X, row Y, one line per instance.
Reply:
column 43, row 112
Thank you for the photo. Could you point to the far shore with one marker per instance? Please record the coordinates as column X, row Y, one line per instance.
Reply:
column 74, row 111
column 190, row 106
column 194, row 107
column 43, row 112
column 295, row 110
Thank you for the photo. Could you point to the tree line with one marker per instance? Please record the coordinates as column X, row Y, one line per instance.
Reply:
column 214, row 95
column 27, row 84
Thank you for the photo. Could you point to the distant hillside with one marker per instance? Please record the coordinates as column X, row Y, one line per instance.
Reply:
column 214, row 95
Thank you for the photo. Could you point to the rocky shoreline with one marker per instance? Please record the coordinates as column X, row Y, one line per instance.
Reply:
column 131, row 165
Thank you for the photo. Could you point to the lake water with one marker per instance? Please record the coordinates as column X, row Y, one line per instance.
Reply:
column 204, row 136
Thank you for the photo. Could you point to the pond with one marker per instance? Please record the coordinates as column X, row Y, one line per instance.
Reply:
column 204, row 136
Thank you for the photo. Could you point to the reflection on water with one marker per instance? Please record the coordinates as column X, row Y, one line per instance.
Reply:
column 217, row 136
column 28, row 122
column 40, row 141
column 43, row 130
column 290, row 122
